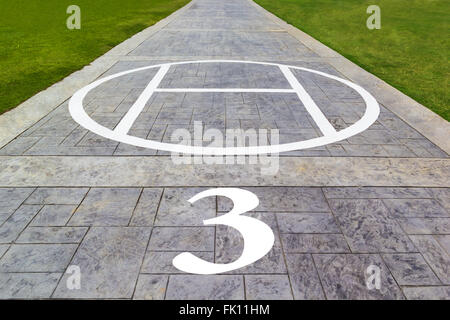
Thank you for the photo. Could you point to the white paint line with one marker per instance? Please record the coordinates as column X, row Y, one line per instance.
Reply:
column 257, row 90
column 127, row 121
column 320, row 119
column 78, row 113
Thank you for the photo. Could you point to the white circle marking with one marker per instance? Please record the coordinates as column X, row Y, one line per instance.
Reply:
column 78, row 113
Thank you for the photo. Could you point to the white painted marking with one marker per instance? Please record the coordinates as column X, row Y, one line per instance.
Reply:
column 78, row 113
column 255, row 90
column 127, row 121
column 317, row 115
column 258, row 237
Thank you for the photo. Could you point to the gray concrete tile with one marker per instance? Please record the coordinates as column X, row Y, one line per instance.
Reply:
column 129, row 150
column 410, row 269
column 150, row 287
column 229, row 246
column 106, row 104
column 106, row 207
column 109, row 259
column 424, row 148
column 337, row 123
column 12, row 227
column 344, row 277
column 376, row 137
column 336, row 150
column 219, row 22
column 45, row 142
column 375, row 193
column 11, row 199
column 425, row 225
column 57, row 196
column 161, row 262
column 401, row 208
column 52, row 235
column 182, row 239
column 307, row 223
column 27, row 285
column 297, row 199
column 4, row 216
column 444, row 241
column 397, row 126
column 442, row 195
column 70, row 151
column 209, row 287
column 427, row 293
column 36, row 125
column 308, row 153
column 37, row 257
column 54, row 215
column 298, row 135
column 56, row 127
column 415, row 146
column 175, row 210
column 3, row 249
column 435, row 255
column 314, row 243
column 74, row 137
column 267, row 287
column 222, row 43
column 398, row 151
column 19, row 145
column 304, row 277
column 365, row 150
column 434, row 150
column 145, row 211
column 368, row 227
column 93, row 140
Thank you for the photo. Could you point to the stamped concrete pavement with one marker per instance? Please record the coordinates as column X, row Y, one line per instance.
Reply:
column 69, row 197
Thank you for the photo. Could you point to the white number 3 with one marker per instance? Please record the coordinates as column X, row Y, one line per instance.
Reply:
column 258, row 237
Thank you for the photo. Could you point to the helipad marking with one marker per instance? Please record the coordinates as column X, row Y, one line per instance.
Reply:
column 255, row 90
column 317, row 115
column 330, row 136
column 127, row 121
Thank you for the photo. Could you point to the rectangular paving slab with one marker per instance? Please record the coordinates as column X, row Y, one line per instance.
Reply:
column 115, row 261
column 109, row 260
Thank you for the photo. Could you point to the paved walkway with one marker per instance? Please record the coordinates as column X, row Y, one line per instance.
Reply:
column 69, row 197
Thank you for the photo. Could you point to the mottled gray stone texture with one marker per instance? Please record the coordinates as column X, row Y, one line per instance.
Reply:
column 325, row 239
column 109, row 259
column 214, row 287
column 123, row 222
column 344, row 276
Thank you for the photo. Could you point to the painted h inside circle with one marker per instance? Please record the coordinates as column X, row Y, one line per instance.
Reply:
column 127, row 121
column 322, row 122
column 120, row 132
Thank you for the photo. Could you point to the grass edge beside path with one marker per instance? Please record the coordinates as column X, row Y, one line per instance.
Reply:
column 410, row 52
column 37, row 50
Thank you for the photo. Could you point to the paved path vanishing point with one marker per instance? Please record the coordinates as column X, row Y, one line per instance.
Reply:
column 120, row 212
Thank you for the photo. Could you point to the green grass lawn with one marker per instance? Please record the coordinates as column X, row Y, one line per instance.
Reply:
column 410, row 51
column 37, row 49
